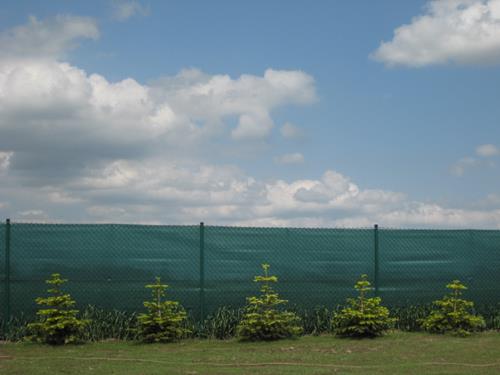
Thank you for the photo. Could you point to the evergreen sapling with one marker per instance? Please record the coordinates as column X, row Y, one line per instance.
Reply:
column 364, row 317
column 453, row 314
column 263, row 319
column 58, row 322
column 165, row 320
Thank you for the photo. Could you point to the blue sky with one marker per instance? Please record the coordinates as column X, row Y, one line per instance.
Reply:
column 391, row 108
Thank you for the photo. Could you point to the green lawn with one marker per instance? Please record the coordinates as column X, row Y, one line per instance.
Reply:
column 397, row 353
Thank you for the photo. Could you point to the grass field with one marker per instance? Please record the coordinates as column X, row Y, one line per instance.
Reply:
column 397, row 353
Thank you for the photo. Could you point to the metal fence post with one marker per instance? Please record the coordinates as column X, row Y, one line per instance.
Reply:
column 376, row 260
column 7, row 276
column 202, row 271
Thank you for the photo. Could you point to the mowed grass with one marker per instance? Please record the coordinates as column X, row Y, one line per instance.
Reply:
column 397, row 353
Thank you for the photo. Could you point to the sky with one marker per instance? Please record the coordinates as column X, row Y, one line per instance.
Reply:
column 261, row 113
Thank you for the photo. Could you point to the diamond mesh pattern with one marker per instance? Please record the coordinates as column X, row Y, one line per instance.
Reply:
column 314, row 266
column 109, row 264
column 415, row 265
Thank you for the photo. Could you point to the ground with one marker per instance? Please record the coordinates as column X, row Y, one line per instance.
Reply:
column 397, row 353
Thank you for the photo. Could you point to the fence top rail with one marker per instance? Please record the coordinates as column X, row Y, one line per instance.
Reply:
column 52, row 224
column 217, row 226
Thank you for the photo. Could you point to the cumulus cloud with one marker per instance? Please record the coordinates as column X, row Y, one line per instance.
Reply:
column 253, row 126
column 249, row 98
column 334, row 194
column 49, row 38
column 487, row 150
column 461, row 166
column 492, row 200
column 294, row 158
column 291, row 131
column 77, row 147
column 123, row 10
column 466, row 163
column 68, row 113
column 450, row 31
column 433, row 215
column 4, row 160
column 155, row 192
column 33, row 216
column 61, row 197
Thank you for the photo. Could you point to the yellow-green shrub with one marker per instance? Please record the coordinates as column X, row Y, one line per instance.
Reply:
column 164, row 321
column 453, row 314
column 58, row 323
column 263, row 319
column 364, row 317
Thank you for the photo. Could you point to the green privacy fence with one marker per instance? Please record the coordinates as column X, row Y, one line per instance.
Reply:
column 211, row 266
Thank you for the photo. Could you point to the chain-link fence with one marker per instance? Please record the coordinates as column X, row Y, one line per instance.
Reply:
column 210, row 266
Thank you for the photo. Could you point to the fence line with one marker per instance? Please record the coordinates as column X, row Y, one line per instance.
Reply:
column 7, row 273
column 202, row 270
column 210, row 266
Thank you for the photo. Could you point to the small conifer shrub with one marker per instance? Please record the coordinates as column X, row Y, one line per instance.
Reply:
column 58, row 323
column 164, row 321
column 453, row 314
column 263, row 319
column 364, row 317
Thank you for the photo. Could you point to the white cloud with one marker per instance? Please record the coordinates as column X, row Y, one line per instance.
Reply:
column 4, row 160
column 61, row 197
column 256, row 126
column 451, row 31
column 65, row 111
column 466, row 163
column 123, row 10
column 294, row 158
column 433, row 215
column 33, row 216
column 46, row 39
column 462, row 165
column 103, row 212
column 334, row 195
column 159, row 191
column 490, row 201
column 487, row 150
column 78, row 147
column 210, row 100
column 291, row 131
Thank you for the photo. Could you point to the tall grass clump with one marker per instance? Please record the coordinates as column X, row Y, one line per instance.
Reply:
column 491, row 315
column 109, row 324
column 221, row 324
column 315, row 321
column 408, row 317
column 15, row 329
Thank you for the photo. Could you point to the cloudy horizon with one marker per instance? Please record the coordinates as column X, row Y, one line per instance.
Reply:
column 100, row 122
